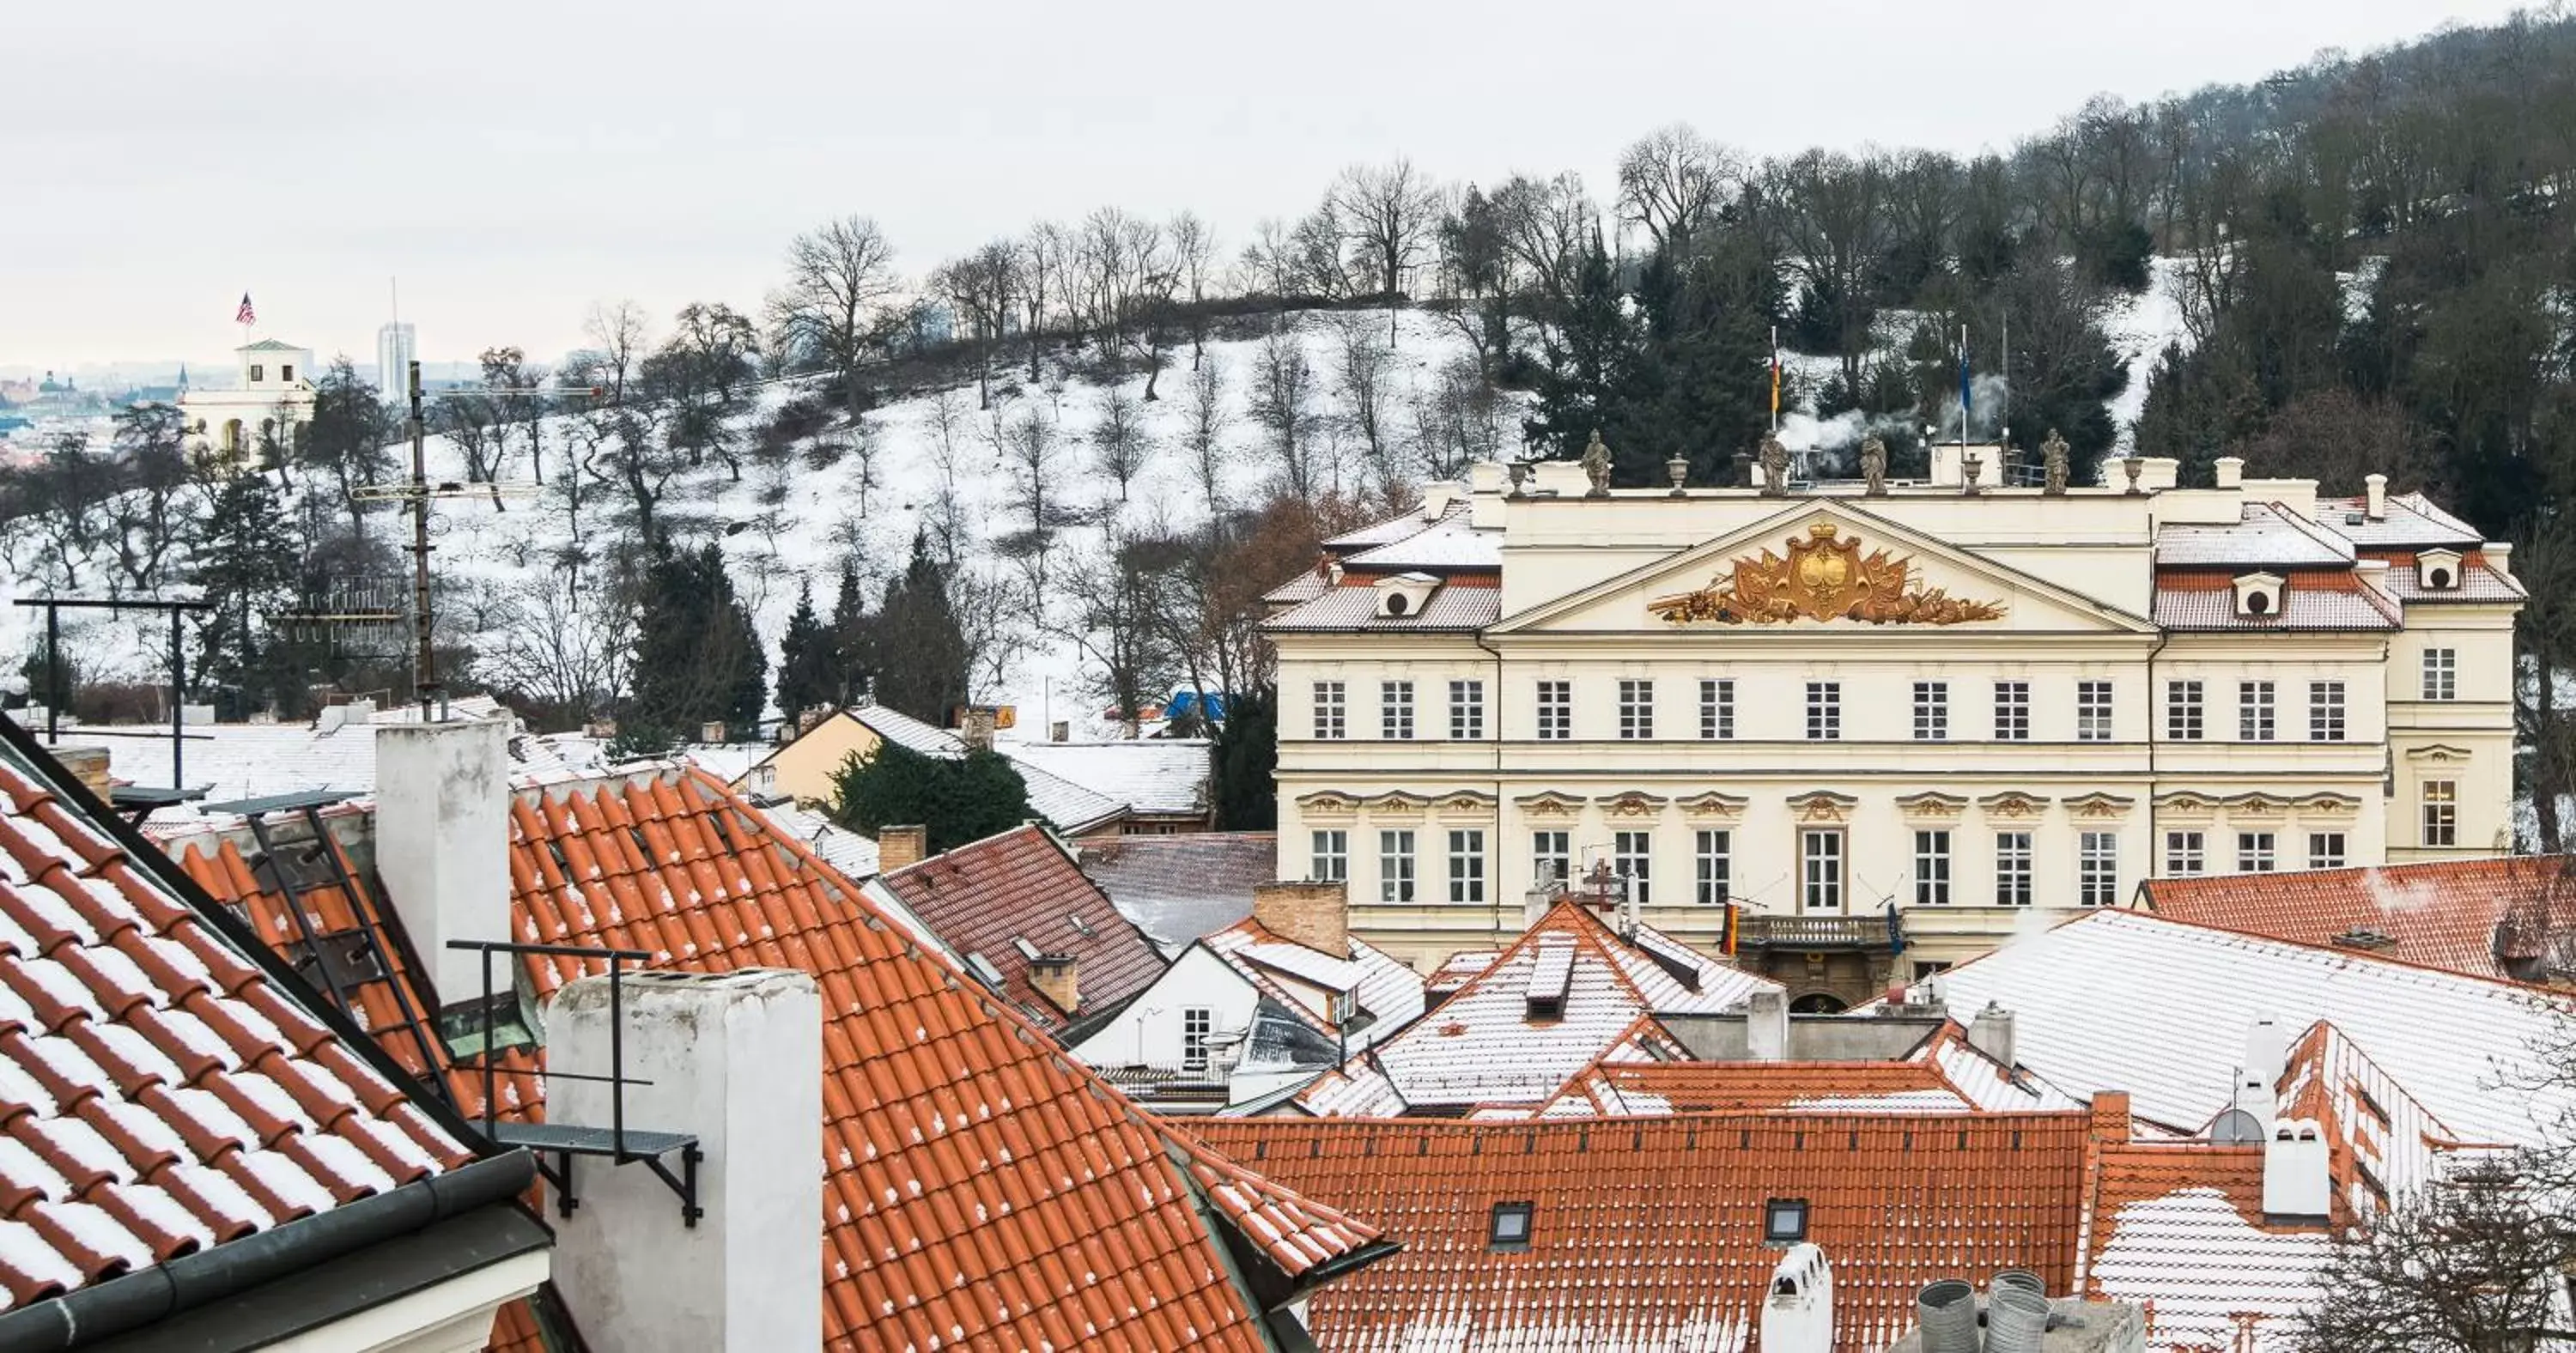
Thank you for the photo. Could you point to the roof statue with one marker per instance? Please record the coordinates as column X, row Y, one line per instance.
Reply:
column 1596, row 465
column 1775, row 466
column 1873, row 466
column 2053, row 463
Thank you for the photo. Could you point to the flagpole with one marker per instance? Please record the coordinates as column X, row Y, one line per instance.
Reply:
column 1775, row 380
column 1963, row 394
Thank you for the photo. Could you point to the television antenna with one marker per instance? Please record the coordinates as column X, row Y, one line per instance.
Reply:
column 419, row 492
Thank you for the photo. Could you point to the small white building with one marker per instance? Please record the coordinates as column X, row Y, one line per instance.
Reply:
column 1257, row 1009
column 272, row 396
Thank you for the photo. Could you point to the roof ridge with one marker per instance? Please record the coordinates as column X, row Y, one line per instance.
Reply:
column 2565, row 1000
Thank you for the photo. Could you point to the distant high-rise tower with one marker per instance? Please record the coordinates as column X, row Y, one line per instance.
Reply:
column 396, row 346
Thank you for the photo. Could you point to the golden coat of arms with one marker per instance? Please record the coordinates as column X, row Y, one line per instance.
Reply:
column 1824, row 577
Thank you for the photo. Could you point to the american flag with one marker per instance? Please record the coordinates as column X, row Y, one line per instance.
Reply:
column 244, row 315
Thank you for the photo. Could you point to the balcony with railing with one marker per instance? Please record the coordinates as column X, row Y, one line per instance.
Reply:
column 1853, row 934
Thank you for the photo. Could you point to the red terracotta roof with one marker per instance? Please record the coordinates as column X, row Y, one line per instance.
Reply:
column 1023, row 886
column 1648, row 1233
column 2311, row 599
column 981, row 1188
column 158, row 1094
column 2179, row 1229
column 2441, row 914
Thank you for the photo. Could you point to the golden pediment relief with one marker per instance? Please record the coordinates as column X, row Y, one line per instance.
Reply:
column 1550, row 804
column 1824, row 577
column 1722, row 807
column 2099, row 806
column 1931, row 804
column 1631, row 804
column 2013, row 804
column 1822, row 806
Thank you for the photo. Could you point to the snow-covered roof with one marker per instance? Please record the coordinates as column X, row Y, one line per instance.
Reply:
column 2412, row 520
column 1071, row 807
column 1516, row 1032
column 2311, row 599
column 841, row 848
column 1354, row 607
column 1450, row 544
column 2268, row 535
column 2180, row 1228
column 2123, row 1000
column 1305, row 980
column 1181, row 886
column 903, row 730
column 1167, row 776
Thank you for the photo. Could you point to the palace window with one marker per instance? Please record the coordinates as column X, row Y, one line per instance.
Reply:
column 2012, row 869
column 1331, row 711
column 2092, row 711
column 1715, row 857
column 2254, row 709
column 1395, row 866
column 1555, row 711
column 2325, row 711
column 286, row 371
column 1551, row 857
column 2441, row 674
column 2183, row 712
column 1395, row 710
column 1931, row 711
column 1331, row 856
column 2441, row 812
column 258, row 373
column 1932, row 868
column 1466, row 710
column 1820, row 860
column 2012, row 711
column 2325, row 850
column 1717, row 708
column 1824, row 711
column 1632, row 854
column 1197, row 1022
column 2186, row 854
column 1636, row 709
column 2257, row 853
column 2097, row 869
column 1467, row 866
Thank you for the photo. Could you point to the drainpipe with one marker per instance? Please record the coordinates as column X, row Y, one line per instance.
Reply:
column 1494, row 893
column 2155, row 842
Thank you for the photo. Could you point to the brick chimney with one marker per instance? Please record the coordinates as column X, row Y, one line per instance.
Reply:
column 443, row 841
column 736, row 1059
column 1058, row 977
column 1316, row 915
column 900, row 846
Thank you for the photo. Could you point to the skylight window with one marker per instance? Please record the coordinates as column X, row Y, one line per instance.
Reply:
column 1784, row 1221
column 1510, row 1229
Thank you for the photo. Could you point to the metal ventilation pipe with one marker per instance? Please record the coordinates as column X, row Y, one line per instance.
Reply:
column 2018, row 1277
column 1947, row 1311
column 2016, row 1319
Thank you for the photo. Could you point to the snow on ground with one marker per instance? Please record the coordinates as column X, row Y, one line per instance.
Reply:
column 2139, row 328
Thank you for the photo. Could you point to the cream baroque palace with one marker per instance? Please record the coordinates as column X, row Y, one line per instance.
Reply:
column 1889, row 725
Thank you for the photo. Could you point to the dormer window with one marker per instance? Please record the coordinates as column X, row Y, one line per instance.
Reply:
column 1784, row 1221
column 1509, row 1227
column 1404, row 594
column 2258, row 595
column 2438, row 570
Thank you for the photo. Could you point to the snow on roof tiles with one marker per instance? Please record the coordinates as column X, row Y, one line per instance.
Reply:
column 1452, row 544
column 1184, row 885
column 159, row 1095
column 2412, row 520
column 2311, row 599
column 1490, row 1044
column 2179, row 1228
column 2443, row 913
column 2268, row 535
column 2129, row 1001
column 1379, row 985
column 947, row 1114
column 1149, row 775
column 1647, row 1234
column 987, row 896
column 1353, row 606
column 2479, row 581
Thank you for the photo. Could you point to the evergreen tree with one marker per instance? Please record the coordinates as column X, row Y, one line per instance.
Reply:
column 809, row 663
column 697, row 654
column 1587, row 361
column 954, row 799
column 245, row 564
column 1247, row 762
column 853, row 661
column 1701, row 386
column 917, row 650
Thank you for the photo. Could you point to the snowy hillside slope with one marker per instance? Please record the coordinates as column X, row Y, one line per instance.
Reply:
column 819, row 516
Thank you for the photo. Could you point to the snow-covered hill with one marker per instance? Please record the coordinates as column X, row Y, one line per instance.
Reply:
column 790, row 524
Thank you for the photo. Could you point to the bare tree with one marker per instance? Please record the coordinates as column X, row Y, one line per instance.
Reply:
column 1114, row 623
column 1194, row 256
column 1458, row 418
column 979, row 286
column 1386, row 212
column 146, row 520
column 2472, row 1264
column 566, row 650
column 1545, row 225
column 1026, row 439
column 1836, row 230
column 1204, row 431
column 1037, row 273
column 1119, row 440
column 837, row 274
column 1283, row 398
column 619, row 339
column 1672, row 179
column 1362, row 376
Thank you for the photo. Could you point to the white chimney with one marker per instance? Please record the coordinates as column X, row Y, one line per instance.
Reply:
column 1766, row 1028
column 736, row 1059
column 443, row 842
column 1798, row 1314
column 2296, row 1179
column 1991, row 1033
column 2499, row 556
column 2230, row 471
column 2266, row 1054
column 2374, row 488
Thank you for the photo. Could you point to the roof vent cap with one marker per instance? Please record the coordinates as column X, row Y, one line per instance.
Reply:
column 1404, row 594
column 2438, row 570
column 2258, row 595
column 2364, row 937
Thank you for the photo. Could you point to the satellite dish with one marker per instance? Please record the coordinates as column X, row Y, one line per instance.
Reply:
column 2236, row 1127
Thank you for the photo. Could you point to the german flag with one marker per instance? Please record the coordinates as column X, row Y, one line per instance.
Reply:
column 1727, row 937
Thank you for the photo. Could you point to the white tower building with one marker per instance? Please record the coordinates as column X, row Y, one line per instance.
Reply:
column 396, row 346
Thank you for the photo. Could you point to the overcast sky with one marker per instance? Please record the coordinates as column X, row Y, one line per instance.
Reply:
column 513, row 163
